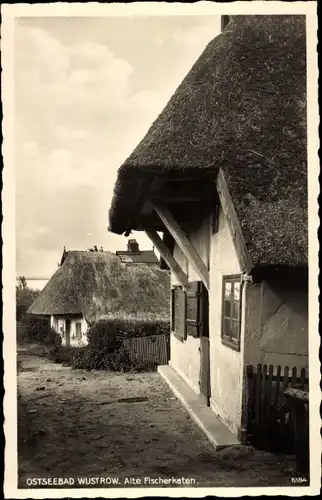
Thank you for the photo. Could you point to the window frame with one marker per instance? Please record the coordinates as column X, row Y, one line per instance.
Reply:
column 229, row 341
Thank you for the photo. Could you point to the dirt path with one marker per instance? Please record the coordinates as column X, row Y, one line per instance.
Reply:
column 97, row 424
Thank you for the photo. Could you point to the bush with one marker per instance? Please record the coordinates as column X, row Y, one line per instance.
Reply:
column 129, row 328
column 117, row 361
column 106, row 351
column 64, row 355
column 33, row 329
column 103, row 337
column 25, row 296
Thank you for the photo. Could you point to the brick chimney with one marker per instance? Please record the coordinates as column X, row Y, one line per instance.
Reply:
column 133, row 247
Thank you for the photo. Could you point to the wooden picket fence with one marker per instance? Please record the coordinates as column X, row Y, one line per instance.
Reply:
column 267, row 415
column 152, row 350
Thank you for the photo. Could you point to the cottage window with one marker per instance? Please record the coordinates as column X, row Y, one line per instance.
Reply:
column 78, row 330
column 197, row 309
column 178, row 313
column 190, row 311
column 231, row 301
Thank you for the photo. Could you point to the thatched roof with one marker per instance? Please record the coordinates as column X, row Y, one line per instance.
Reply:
column 241, row 108
column 97, row 284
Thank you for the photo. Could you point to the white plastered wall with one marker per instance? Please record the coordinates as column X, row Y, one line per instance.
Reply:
column 185, row 356
column 226, row 372
column 58, row 322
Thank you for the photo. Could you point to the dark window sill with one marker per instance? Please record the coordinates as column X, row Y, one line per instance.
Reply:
column 229, row 343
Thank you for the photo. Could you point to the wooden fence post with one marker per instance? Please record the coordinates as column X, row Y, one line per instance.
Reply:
column 263, row 401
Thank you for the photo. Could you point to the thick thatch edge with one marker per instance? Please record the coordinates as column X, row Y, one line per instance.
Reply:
column 297, row 258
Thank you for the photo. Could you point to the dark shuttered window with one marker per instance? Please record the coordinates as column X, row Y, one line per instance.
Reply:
column 178, row 326
column 231, row 307
column 197, row 309
column 190, row 311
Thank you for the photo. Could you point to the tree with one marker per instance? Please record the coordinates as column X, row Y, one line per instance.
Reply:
column 22, row 283
column 24, row 298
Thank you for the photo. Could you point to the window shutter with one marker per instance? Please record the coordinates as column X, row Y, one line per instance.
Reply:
column 204, row 312
column 197, row 310
column 179, row 313
column 173, row 305
column 193, row 308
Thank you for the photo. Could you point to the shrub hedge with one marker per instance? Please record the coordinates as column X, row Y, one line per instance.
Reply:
column 105, row 349
column 130, row 328
column 33, row 329
column 64, row 355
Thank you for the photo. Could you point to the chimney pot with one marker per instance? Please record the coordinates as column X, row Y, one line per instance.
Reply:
column 133, row 247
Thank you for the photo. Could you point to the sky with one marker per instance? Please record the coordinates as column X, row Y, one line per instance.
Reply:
column 86, row 92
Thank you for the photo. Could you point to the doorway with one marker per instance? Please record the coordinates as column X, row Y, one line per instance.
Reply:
column 204, row 378
column 67, row 326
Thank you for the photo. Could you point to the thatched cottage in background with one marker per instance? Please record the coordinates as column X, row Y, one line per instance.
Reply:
column 222, row 172
column 90, row 285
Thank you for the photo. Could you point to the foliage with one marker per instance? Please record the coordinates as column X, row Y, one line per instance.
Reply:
column 64, row 355
column 128, row 328
column 33, row 329
column 106, row 351
column 102, row 338
column 22, row 283
column 25, row 296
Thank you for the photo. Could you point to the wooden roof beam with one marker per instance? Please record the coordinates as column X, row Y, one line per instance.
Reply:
column 183, row 242
column 233, row 222
column 167, row 257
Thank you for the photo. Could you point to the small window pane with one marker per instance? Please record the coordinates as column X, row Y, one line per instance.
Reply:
column 227, row 308
column 235, row 312
column 228, row 290
column 236, row 290
column 231, row 311
column 234, row 329
column 226, row 326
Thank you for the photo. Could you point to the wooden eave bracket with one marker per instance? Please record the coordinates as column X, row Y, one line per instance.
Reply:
column 168, row 257
column 233, row 222
column 183, row 242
